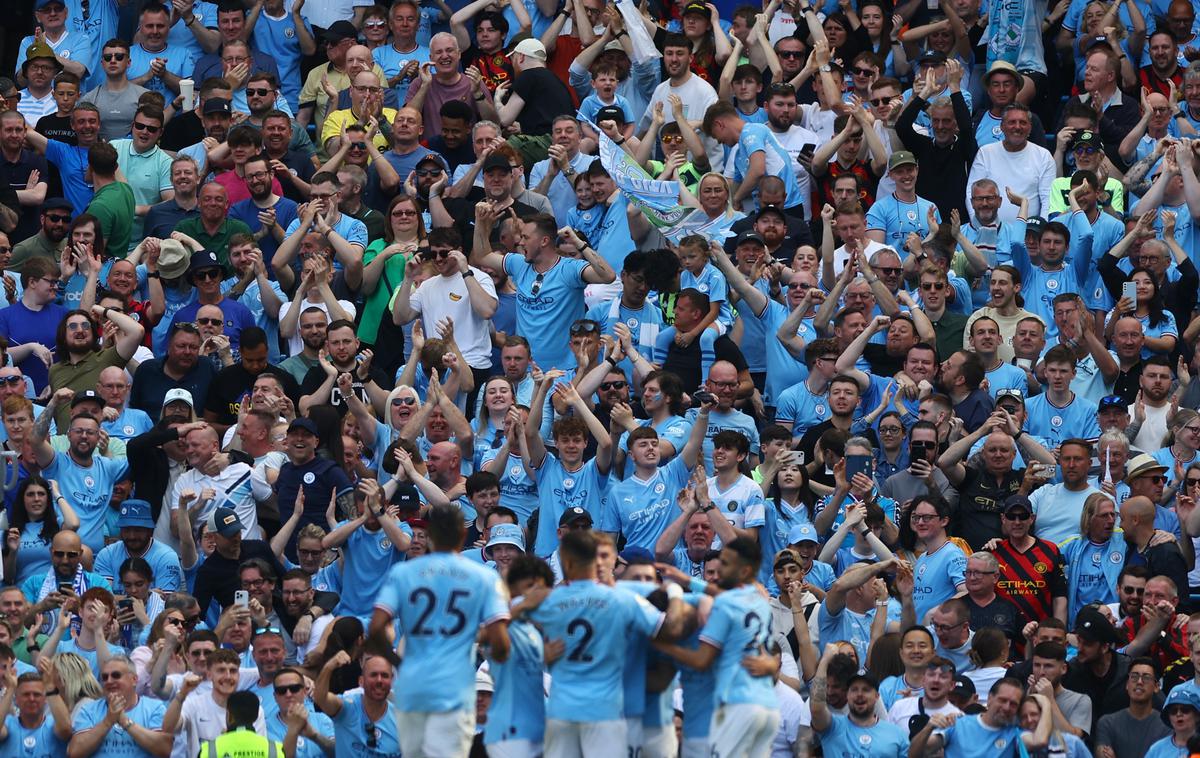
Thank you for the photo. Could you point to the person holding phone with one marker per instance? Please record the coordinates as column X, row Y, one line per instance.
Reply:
column 922, row 474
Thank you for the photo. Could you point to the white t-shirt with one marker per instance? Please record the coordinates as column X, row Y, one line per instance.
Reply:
column 202, row 719
column 791, row 713
column 1154, row 429
column 1029, row 172
column 295, row 345
column 442, row 297
column 696, row 95
column 906, row 707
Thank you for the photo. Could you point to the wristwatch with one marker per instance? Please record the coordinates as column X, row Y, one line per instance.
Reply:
column 153, row 275
column 467, row 273
column 826, row 68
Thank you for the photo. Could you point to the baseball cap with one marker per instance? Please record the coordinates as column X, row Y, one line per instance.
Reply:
column 304, row 425
column 433, row 158
column 770, row 208
column 483, row 682
column 203, row 259
column 963, row 687
column 696, row 7
column 86, row 395
column 1017, row 502
column 1141, row 465
column 636, row 556
column 340, row 30
column 1035, row 224
column 802, row 533
column 1180, row 696
column 573, row 515
column 135, row 513
column 178, row 395
column 532, row 48
column 406, row 497
column 37, row 6
column 1086, row 138
column 931, row 58
column 1094, row 626
column 504, row 534
column 1009, row 393
column 1113, row 401
column 216, row 105
column 225, row 522
column 751, row 236
column 611, row 113
column 57, row 204
column 865, row 678
column 495, row 161
column 901, row 158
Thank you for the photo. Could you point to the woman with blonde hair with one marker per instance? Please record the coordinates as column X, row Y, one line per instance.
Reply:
column 72, row 676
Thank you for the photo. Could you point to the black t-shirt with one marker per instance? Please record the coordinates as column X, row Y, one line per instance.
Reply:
column 457, row 156
column 999, row 613
column 980, row 501
column 183, row 130
column 316, row 377
column 462, row 210
column 882, row 364
column 299, row 165
column 54, row 126
column 685, row 362
column 234, row 383
column 545, row 98
column 217, row 578
column 1129, row 383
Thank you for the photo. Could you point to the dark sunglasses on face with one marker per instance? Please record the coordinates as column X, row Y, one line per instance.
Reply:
column 938, row 286
column 1021, row 516
column 110, row 57
column 289, row 689
column 259, row 91
column 60, row 554
column 11, row 381
column 208, row 273
column 790, row 54
column 398, row 401
column 617, row 385
column 428, row 172
column 359, row 145
column 208, row 321
column 140, row 126
column 57, row 218
column 880, row 101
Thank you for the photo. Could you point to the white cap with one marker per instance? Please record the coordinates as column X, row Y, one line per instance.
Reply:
column 532, row 48
column 179, row 394
column 483, row 682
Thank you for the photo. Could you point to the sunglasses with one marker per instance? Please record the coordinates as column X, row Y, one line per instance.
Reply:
column 146, row 127
column 11, row 381
column 584, row 327
column 537, row 285
column 880, row 101
column 864, row 72
column 888, row 270
column 617, row 385
column 57, row 218
column 289, row 689
column 174, row 622
column 267, row 630
column 111, row 676
column 935, row 286
column 672, row 139
column 398, row 401
column 405, row 213
column 372, row 739
column 375, row 24
column 259, row 91
column 110, row 57
column 359, row 145
column 428, row 172
column 72, row 554
column 1017, row 516
column 208, row 273
column 1191, row 482
column 208, row 321
column 790, row 54
column 79, row 326
column 437, row 254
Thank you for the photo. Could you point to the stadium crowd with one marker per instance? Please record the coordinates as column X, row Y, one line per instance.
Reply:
column 665, row 379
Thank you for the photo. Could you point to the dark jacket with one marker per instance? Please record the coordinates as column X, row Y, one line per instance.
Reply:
column 943, row 176
column 1178, row 297
column 150, row 469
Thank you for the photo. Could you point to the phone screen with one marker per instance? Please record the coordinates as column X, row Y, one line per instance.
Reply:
column 858, row 464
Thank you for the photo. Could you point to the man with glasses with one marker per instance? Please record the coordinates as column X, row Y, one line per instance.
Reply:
column 986, row 608
column 38, row 69
column 66, row 580
column 293, row 712
column 272, row 646
column 206, row 275
column 460, row 292
column 116, row 97
column 140, row 720
column 307, row 619
column 49, row 240
column 1132, row 730
column 366, row 106
column 1031, row 569
column 146, row 166
column 267, row 215
column 262, row 99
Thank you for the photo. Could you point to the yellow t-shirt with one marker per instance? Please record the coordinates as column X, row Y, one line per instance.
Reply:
column 336, row 120
column 312, row 92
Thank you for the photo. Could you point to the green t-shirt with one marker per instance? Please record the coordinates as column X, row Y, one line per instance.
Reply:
column 217, row 243
column 376, row 304
column 114, row 206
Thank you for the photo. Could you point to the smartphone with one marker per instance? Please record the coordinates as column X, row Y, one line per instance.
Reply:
column 1129, row 292
column 919, row 451
column 1049, row 472
column 703, row 396
column 809, row 148
column 125, row 604
column 856, row 464
column 241, row 598
column 1025, row 363
column 66, row 587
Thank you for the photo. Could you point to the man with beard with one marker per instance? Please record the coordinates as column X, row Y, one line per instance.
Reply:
column 992, row 733
column 264, row 212
column 372, row 709
column 368, row 383
column 938, row 684
column 843, row 735
column 162, row 218
column 181, row 369
column 781, row 120
column 313, row 323
column 80, row 358
column 1149, row 425
column 137, row 541
column 84, row 477
column 206, row 276
column 1098, row 670
column 229, row 389
column 49, row 241
column 695, row 92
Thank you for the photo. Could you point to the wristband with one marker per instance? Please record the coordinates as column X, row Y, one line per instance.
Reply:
column 467, row 273
column 611, row 361
column 674, row 592
column 621, row 33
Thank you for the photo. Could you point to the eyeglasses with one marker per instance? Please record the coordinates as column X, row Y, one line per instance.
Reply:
column 947, row 627
column 289, row 689
column 322, row 195
column 146, row 127
column 617, row 385
column 110, row 57
column 428, row 172
column 368, row 89
column 69, row 554
column 974, row 572
column 79, row 326
column 208, row 321
column 259, row 91
column 891, row 430
column 921, row 518
column 253, row 583
column 537, row 284
column 1192, row 429
column 174, row 622
column 258, row 175
column 1022, row 516
column 317, row 553
column 438, row 254
column 208, row 273
column 936, row 286
column 1142, row 677
column 398, row 401
column 111, row 676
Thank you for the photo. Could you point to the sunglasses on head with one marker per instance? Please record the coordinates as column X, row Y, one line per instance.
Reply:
column 584, row 327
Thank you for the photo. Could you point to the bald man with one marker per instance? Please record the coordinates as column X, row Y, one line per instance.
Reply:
column 1157, row 552
column 366, row 104
column 213, row 480
column 46, row 592
column 120, row 421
